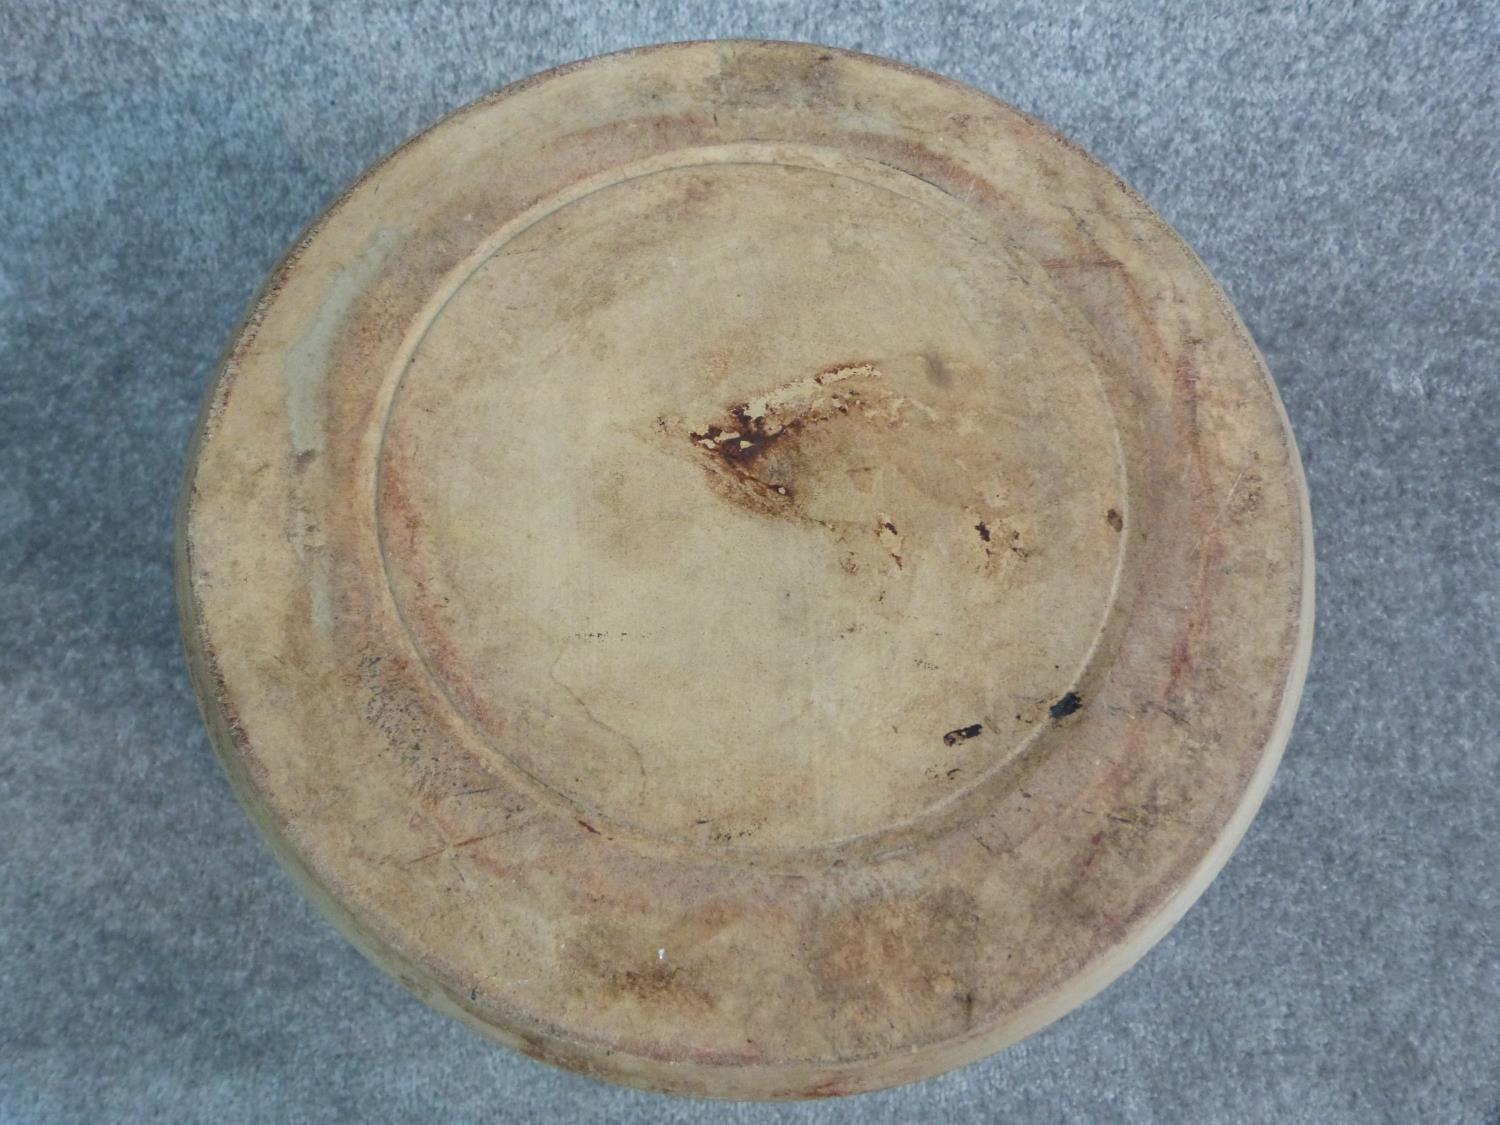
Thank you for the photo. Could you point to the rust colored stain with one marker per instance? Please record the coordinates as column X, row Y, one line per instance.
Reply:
column 744, row 441
column 828, row 1088
column 758, row 450
column 1186, row 377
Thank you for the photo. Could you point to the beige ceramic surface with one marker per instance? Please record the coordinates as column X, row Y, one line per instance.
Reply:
column 746, row 569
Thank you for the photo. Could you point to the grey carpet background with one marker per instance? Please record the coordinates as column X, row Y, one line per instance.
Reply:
column 1337, row 166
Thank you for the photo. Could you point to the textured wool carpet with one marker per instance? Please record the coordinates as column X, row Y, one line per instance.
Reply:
column 1337, row 167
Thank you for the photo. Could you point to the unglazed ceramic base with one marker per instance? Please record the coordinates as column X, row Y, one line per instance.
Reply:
column 745, row 569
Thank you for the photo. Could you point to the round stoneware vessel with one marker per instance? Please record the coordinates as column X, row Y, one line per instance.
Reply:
column 746, row 569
